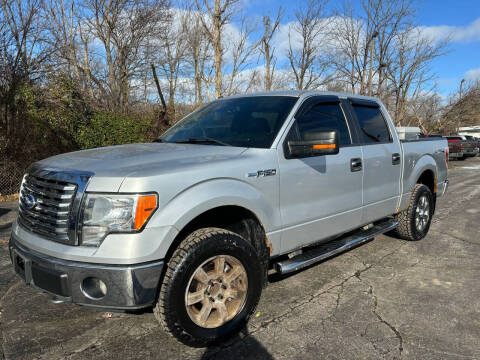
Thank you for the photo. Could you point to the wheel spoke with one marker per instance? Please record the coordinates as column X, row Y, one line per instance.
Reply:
column 234, row 273
column 233, row 293
column 205, row 312
column 193, row 298
column 201, row 275
column 219, row 265
column 222, row 311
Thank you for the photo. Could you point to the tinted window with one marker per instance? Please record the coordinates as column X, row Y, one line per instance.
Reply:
column 320, row 118
column 372, row 124
column 244, row 121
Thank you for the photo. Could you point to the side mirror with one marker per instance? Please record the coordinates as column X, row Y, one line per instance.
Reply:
column 315, row 143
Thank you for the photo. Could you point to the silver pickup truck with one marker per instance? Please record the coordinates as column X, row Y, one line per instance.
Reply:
column 192, row 223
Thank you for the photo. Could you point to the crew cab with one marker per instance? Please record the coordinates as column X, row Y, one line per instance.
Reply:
column 192, row 223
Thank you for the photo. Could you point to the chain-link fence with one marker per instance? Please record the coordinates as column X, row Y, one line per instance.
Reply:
column 11, row 174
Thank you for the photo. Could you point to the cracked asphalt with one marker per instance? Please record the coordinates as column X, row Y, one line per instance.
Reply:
column 386, row 299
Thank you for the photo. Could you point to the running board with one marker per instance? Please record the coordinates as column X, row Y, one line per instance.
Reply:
column 333, row 247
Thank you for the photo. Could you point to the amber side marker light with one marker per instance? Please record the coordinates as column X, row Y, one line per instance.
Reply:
column 146, row 205
column 324, row 146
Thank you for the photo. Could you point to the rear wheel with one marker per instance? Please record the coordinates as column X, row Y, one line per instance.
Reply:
column 414, row 222
column 212, row 285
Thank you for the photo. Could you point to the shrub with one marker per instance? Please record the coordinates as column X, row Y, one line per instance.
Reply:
column 105, row 129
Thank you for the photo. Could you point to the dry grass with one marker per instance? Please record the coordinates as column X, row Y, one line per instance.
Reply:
column 6, row 198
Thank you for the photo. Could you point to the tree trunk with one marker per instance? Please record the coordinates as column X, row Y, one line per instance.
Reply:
column 217, row 49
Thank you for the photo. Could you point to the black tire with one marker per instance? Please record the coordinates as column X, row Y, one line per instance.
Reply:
column 462, row 158
column 407, row 228
column 193, row 251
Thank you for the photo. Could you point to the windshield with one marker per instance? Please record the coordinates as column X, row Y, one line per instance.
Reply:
column 244, row 122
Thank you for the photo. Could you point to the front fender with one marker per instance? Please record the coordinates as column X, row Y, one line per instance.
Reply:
column 210, row 194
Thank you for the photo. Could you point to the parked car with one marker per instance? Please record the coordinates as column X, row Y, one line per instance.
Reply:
column 455, row 149
column 191, row 223
column 475, row 143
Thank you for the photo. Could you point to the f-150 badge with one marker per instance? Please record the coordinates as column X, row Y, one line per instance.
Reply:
column 262, row 173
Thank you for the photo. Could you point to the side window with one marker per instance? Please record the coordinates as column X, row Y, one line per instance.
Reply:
column 323, row 116
column 373, row 127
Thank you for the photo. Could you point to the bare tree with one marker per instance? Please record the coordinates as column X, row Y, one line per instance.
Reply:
column 22, row 59
column 425, row 112
column 240, row 50
column 346, row 42
column 198, row 50
column 172, row 50
column 217, row 14
column 305, row 41
column 122, row 27
column 270, row 27
column 389, row 18
column 409, row 70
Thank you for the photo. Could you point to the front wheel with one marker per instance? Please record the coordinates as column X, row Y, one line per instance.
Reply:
column 212, row 285
column 414, row 222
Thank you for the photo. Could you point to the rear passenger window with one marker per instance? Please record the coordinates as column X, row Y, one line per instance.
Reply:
column 321, row 117
column 372, row 124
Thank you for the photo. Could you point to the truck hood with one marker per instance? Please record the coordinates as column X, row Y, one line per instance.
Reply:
column 124, row 160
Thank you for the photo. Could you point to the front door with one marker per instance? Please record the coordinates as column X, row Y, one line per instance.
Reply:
column 320, row 196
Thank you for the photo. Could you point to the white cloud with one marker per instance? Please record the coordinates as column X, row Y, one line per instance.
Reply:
column 472, row 75
column 465, row 34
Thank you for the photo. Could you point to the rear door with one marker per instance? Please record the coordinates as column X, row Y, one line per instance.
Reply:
column 381, row 159
column 320, row 196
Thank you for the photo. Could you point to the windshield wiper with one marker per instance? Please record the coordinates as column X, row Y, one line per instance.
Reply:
column 159, row 140
column 202, row 141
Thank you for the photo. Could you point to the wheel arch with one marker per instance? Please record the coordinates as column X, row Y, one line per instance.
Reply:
column 427, row 178
column 235, row 218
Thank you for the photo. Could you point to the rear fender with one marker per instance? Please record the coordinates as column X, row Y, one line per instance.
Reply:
column 412, row 172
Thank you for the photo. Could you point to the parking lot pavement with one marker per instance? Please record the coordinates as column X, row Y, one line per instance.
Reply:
column 385, row 299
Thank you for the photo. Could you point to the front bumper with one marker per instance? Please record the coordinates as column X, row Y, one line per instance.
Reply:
column 470, row 152
column 125, row 287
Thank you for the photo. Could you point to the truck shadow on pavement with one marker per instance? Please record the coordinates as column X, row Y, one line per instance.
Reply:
column 5, row 228
column 242, row 345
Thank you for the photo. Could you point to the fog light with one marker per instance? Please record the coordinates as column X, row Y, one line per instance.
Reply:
column 94, row 288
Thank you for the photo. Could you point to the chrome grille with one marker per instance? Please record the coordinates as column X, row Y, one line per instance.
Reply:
column 50, row 215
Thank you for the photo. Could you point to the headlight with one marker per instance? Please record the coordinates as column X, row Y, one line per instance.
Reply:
column 104, row 214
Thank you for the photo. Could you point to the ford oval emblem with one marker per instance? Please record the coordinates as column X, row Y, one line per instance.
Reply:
column 29, row 201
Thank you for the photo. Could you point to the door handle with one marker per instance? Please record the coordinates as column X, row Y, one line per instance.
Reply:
column 355, row 164
column 396, row 159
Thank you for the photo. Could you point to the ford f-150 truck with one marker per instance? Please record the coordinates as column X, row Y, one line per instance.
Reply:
column 193, row 223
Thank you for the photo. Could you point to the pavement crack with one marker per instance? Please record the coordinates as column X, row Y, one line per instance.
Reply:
column 462, row 239
column 381, row 319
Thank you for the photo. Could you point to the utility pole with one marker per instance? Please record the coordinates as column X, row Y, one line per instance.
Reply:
column 370, row 73
column 461, row 85
column 459, row 99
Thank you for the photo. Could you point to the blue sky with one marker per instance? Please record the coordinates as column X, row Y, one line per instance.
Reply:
column 459, row 18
